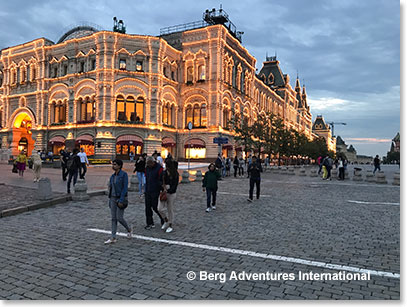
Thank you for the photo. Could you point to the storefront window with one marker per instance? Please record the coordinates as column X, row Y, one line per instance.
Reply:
column 195, row 153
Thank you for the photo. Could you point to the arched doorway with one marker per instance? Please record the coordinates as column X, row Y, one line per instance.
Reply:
column 22, row 135
column 126, row 144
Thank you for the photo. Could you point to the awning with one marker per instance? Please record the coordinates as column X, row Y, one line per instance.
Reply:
column 57, row 140
column 227, row 146
column 129, row 139
column 195, row 143
column 168, row 142
column 85, row 139
column 239, row 148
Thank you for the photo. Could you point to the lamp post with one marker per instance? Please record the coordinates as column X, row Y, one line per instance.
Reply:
column 189, row 137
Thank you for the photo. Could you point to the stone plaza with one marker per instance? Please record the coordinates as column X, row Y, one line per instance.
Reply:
column 300, row 225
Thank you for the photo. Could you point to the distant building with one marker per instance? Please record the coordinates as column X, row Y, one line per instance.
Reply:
column 321, row 129
column 350, row 152
column 395, row 144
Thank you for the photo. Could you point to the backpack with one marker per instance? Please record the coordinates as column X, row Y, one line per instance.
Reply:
column 70, row 163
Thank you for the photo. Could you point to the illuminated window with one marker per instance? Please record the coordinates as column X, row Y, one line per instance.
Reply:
column 87, row 110
column 59, row 112
column 171, row 116
column 225, row 118
column 122, row 64
column 140, row 109
column 13, row 75
column 165, row 114
column 195, row 153
column 120, row 108
column 190, row 74
column 188, row 115
column 130, row 109
column 139, row 65
column 197, row 116
column 201, row 72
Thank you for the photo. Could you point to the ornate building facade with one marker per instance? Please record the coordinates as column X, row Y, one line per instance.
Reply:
column 114, row 93
column 320, row 128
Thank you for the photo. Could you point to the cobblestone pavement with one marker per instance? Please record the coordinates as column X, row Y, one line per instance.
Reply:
column 51, row 254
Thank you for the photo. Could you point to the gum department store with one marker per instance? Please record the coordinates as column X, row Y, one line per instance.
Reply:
column 114, row 93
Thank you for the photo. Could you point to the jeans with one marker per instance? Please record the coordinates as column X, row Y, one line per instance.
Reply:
column 117, row 215
column 141, row 181
column 210, row 193
column 235, row 168
column 252, row 182
column 376, row 167
column 64, row 171
column 341, row 173
column 71, row 174
column 151, row 203
column 82, row 171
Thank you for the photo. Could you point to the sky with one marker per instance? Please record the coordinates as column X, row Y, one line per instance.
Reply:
column 347, row 53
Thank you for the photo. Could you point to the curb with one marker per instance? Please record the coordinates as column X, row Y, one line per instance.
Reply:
column 45, row 204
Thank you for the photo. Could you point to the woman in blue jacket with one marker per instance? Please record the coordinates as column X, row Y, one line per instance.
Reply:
column 118, row 201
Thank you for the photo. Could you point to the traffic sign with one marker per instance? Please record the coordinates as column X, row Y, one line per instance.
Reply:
column 220, row 140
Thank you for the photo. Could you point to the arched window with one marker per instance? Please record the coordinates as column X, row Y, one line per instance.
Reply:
column 87, row 109
column 33, row 72
column 59, row 115
column 171, row 116
column 197, row 116
column 130, row 109
column 203, row 115
column 201, row 72
column 23, row 74
column 225, row 121
column 188, row 115
column 120, row 108
column 190, row 74
column 13, row 76
column 165, row 114
column 140, row 109
column 1, row 117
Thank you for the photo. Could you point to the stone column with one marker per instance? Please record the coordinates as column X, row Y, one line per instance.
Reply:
column 381, row 178
column 396, row 178
column 80, row 189
column 134, row 184
column 44, row 191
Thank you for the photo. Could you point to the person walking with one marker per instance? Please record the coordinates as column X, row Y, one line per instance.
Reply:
column 319, row 160
column 341, row 165
column 37, row 163
column 235, row 165
column 327, row 163
column 64, row 156
column 84, row 162
column 210, row 184
column 249, row 162
column 118, row 201
column 154, row 175
column 254, row 172
column 73, row 165
column 21, row 161
column 241, row 167
column 140, row 169
column 376, row 163
column 170, row 184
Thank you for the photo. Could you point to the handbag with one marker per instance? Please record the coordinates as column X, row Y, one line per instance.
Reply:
column 14, row 170
column 124, row 205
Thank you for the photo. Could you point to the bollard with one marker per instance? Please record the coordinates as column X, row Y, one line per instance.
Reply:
column 134, row 184
column 302, row 172
column 283, row 170
column 370, row 177
column 44, row 191
column 381, row 178
column 198, row 175
column 357, row 174
column 334, row 173
column 80, row 190
column 396, row 178
column 313, row 173
column 346, row 174
column 185, row 177
column 291, row 171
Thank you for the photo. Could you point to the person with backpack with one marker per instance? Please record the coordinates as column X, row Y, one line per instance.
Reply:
column 327, row 163
column 118, row 185
column 73, row 165
column 254, row 171
column 210, row 185
column 170, row 184
column 154, row 182
column 376, row 163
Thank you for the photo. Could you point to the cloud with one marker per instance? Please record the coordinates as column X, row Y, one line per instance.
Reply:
column 368, row 140
column 328, row 103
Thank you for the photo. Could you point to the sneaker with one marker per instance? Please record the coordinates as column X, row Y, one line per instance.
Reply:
column 169, row 229
column 208, row 210
column 213, row 207
column 152, row 226
column 130, row 234
column 148, row 227
column 111, row 241
column 165, row 226
column 250, row 200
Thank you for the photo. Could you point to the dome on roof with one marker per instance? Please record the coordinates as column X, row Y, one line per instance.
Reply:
column 77, row 32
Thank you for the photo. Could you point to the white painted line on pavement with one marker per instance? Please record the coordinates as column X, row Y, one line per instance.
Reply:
column 330, row 266
column 372, row 203
column 333, row 182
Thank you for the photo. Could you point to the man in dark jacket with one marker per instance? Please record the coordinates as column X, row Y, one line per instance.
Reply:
column 254, row 171
column 210, row 183
column 73, row 165
column 154, row 182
